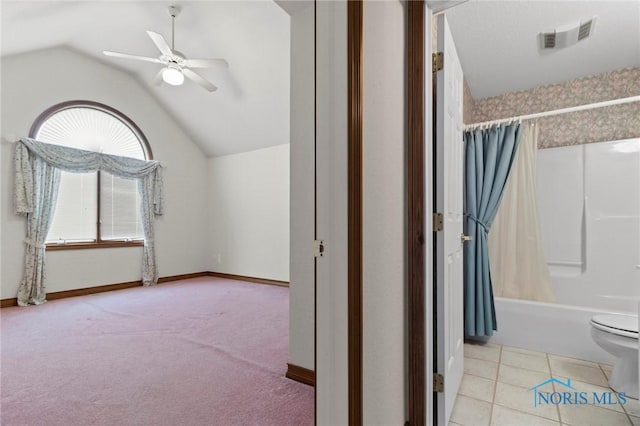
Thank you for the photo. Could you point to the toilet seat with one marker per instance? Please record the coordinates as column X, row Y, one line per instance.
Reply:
column 621, row 325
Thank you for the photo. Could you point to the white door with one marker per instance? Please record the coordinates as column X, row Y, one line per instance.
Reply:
column 448, row 189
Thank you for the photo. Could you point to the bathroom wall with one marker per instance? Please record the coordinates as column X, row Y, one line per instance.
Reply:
column 384, row 217
column 589, row 192
column 597, row 125
column 589, row 201
column 468, row 104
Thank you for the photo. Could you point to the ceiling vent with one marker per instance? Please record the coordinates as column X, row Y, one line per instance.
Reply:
column 567, row 36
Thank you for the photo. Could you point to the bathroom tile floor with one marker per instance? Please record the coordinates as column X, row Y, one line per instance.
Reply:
column 496, row 382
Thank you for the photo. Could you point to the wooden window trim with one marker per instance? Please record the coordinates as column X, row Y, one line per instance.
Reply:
column 146, row 148
column 94, row 245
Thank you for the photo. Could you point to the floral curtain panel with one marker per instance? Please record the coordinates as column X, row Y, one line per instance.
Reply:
column 37, row 178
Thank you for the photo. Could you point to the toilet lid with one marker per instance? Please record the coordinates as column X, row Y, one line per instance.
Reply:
column 624, row 323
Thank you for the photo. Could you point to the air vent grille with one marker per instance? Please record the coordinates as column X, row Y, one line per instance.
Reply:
column 585, row 30
column 549, row 40
column 559, row 38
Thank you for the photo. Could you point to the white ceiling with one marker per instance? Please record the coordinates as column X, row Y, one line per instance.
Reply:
column 496, row 40
column 499, row 49
column 249, row 111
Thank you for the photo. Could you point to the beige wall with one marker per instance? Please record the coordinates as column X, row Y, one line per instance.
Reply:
column 468, row 101
column 384, row 217
column 597, row 125
column 248, row 213
column 331, row 221
column 301, row 257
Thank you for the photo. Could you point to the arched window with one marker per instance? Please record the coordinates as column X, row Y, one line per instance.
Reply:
column 93, row 209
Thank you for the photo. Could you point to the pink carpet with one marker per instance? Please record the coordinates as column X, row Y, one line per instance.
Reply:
column 205, row 351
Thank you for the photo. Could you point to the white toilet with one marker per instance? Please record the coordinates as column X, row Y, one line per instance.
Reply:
column 618, row 335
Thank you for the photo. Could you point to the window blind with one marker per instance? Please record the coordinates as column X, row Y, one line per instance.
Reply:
column 76, row 212
column 76, row 216
column 119, row 209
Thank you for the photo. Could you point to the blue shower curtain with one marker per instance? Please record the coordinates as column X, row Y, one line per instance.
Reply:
column 489, row 154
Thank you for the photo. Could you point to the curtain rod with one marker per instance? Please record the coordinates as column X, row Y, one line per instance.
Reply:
column 555, row 112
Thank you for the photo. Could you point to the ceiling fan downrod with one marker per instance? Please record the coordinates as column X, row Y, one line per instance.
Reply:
column 173, row 12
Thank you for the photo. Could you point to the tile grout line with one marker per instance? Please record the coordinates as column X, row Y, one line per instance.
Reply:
column 528, row 413
column 624, row 409
column 474, row 398
column 479, row 377
column 513, row 408
column 529, row 355
column 524, row 368
column 508, row 365
column 598, row 407
column 553, row 385
column 495, row 386
column 547, row 357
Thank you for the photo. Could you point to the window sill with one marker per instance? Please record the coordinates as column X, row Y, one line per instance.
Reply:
column 94, row 245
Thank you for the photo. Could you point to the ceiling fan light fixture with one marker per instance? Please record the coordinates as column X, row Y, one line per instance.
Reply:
column 172, row 76
column 175, row 66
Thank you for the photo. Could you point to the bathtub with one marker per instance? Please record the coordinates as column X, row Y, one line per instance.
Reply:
column 592, row 248
column 548, row 327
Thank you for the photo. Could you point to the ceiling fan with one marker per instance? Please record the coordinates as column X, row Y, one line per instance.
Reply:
column 176, row 65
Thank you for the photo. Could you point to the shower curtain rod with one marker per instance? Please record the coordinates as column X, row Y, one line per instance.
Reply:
column 555, row 112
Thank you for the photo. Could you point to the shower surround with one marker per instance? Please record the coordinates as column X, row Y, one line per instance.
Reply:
column 589, row 209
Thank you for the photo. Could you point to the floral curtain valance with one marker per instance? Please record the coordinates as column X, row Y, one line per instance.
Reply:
column 79, row 161
column 37, row 178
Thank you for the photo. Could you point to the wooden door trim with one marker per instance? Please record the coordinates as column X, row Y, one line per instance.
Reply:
column 354, row 208
column 416, row 285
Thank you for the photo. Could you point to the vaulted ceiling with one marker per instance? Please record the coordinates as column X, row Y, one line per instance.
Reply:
column 251, row 108
column 498, row 45
column 497, row 42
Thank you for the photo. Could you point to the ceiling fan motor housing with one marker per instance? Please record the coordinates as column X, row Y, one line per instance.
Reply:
column 174, row 11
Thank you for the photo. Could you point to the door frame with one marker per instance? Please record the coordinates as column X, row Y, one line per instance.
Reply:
column 339, row 134
column 419, row 204
column 354, row 208
column 416, row 213
column 420, row 279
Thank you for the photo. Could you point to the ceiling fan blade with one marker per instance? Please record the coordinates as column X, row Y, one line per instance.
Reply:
column 157, row 79
column 127, row 56
column 205, row 63
column 198, row 79
column 160, row 42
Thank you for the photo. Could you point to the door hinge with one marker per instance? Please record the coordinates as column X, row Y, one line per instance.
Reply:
column 437, row 222
column 318, row 248
column 438, row 383
column 437, row 61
